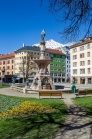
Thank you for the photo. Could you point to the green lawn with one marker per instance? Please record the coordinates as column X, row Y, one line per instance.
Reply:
column 88, row 89
column 4, row 86
column 86, row 104
column 38, row 126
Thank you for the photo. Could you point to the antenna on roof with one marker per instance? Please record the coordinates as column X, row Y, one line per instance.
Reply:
column 23, row 45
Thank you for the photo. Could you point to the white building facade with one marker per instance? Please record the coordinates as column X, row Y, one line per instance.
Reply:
column 81, row 61
column 67, row 52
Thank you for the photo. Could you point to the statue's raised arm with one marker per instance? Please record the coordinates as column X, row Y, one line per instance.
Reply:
column 42, row 35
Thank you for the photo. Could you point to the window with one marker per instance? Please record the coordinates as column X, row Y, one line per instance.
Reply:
column 88, row 62
column 88, row 46
column 58, row 55
column 81, row 48
column 51, row 64
column 63, row 75
column 59, row 74
column 0, row 63
column 63, row 65
column 12, row 66
column 3, row 62
column 82, row 71
column 63, row 61
column 8, row 67
column 34, row 52
column 51, row 74
column 74, row 64
column 88, row 54
column 63, row 56
column 55, row 74
column 82, row 63
column 82, row 55
column 12, row 61
column 8, row 62
column 74, row 57
column 74, row 50
column 88, row 70
column 75, row 71
column 12, row 72
column 0, row 73
column 7, row 73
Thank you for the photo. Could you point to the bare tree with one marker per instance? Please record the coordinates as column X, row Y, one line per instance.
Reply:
column 27, row 66
column 77, row 15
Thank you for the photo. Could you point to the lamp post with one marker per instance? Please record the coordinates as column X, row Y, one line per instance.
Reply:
column 73, row 87
column 3, row 72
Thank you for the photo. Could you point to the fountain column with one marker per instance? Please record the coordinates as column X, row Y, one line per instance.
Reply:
column 42, row 75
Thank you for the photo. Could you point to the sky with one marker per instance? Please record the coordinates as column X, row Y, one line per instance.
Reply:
column 21, row 21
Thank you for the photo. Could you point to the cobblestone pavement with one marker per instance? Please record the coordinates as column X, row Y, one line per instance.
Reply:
column 77, row 126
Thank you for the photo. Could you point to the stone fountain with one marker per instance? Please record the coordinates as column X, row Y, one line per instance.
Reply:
column 42, row 79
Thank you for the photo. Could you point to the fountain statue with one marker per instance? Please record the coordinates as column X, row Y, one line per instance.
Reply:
column 42, row 79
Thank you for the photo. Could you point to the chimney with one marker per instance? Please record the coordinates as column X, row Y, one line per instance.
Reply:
column 23, row 45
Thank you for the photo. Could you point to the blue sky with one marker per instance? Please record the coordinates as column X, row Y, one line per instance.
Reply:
column 21, row 21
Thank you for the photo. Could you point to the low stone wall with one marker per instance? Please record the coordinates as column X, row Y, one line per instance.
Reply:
column 23, row 89
column 17, row 88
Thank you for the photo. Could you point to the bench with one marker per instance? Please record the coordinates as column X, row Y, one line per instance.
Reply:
column 50, row 93
column 84, row 92
column 89, row 92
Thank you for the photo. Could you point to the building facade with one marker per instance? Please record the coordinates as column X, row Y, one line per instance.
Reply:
column 57, row 66
column 21, row 53
column 81, row 61
column 7, row 67
column 67, row 52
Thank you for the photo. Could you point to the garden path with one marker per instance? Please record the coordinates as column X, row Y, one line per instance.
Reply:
column 77, row 125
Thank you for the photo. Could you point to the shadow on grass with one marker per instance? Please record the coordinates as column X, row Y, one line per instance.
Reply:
column 39, row 126
column 85, row 104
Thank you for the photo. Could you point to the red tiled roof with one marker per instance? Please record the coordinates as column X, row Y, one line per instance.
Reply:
column 55, row 51
column 7, row 55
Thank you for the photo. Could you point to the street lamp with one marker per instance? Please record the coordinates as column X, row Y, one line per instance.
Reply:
column 3, row 72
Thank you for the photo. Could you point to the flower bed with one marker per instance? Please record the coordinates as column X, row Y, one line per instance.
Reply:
column 26, row 108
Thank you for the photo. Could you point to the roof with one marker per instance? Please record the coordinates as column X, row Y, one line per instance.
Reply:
column 55, row 51
column 82, row 42
column 7, row 56
column 34, row 48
